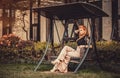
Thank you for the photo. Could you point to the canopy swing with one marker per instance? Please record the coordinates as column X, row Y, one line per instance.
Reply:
column 68, row 11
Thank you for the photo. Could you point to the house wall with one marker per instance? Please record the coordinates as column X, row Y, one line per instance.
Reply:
column 17, row 28
column 59, row 26
column 107, row 21
column 43, row 29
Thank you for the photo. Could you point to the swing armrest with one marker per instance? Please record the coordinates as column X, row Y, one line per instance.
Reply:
column 85, row 46
column 77, row 59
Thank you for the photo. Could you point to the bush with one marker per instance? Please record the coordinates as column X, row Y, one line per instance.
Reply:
column 13, row 49
column 39, row 46
column 108, row 45
column 72, row 44
column 109, row 51
column 9, row 40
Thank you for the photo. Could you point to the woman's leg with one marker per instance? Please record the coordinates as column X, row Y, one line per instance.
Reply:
column 76, row 53
column 63, row 54
column 62, row 60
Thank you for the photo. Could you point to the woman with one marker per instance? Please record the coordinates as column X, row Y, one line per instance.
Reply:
column 61, row 63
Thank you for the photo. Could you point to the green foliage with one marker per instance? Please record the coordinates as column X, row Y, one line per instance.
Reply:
column 13, row 49
column 108, row 45
column 72, row 44
column 39, row 46
column 109, row 51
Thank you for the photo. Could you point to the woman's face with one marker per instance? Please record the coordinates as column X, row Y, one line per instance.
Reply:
column 81, row 31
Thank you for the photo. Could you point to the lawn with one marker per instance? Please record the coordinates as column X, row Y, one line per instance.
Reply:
column 26, row 71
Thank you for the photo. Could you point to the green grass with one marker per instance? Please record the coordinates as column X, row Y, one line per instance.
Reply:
column 26, row 71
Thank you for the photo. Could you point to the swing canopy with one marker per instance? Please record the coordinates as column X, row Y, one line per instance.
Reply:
column 75, row 10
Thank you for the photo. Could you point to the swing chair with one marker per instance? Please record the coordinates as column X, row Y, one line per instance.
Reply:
column 87, row 46
column 77, row 10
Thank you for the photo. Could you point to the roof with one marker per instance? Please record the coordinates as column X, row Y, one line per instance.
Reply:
column 72, row 11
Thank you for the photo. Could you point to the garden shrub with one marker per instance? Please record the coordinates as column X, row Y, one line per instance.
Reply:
column 14, row 49
column 39, row 46
column 8, row 44
column 72, row 44
column 109, row 51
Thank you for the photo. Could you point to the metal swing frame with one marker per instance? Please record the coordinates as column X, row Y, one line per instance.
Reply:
column 48, row 42
column 92, row 28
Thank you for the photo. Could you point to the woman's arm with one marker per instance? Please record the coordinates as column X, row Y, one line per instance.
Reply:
column 76, row 31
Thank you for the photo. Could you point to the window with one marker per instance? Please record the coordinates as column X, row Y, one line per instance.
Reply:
column 35, row 20
column 35, row 33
